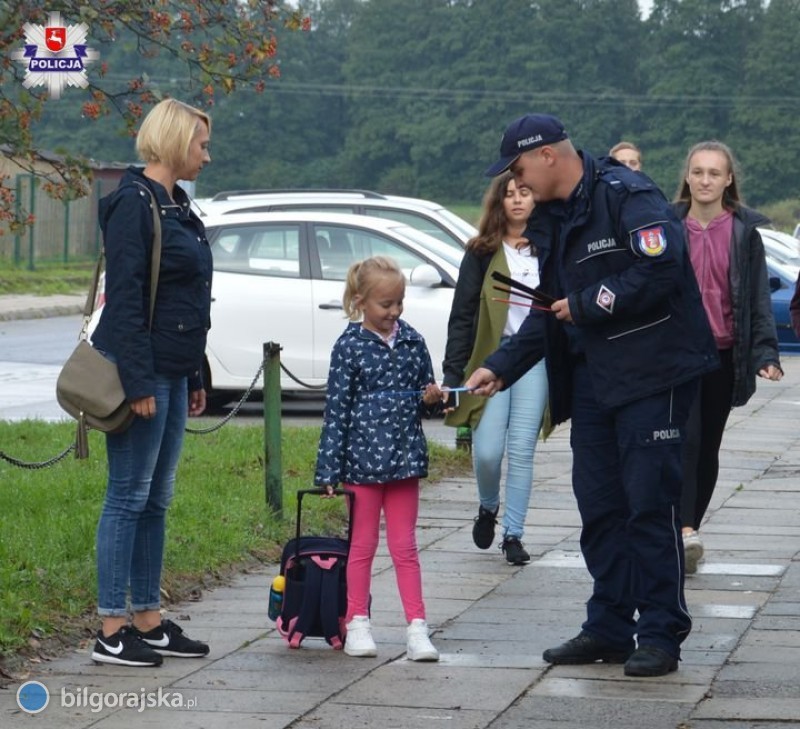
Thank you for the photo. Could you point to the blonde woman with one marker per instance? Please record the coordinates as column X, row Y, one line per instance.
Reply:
column 160, row 370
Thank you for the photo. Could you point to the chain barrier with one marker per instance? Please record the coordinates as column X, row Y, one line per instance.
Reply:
column 234, row 411
column 33, row 465
column 300, row 382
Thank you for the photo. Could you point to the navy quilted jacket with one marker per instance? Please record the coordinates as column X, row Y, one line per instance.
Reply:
column 372, row 430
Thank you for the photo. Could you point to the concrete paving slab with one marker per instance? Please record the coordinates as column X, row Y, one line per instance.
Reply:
column 440, row 686
column 535, row 711
column 785, row 710
column 610, row 683
column 725, row 724
column 163, row 719
column 347, row 716
column 767, row 673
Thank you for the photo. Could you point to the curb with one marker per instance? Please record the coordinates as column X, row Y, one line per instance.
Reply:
column 41, row 312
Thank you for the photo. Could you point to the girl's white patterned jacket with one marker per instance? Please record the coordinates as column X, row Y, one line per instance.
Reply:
column 372, row 430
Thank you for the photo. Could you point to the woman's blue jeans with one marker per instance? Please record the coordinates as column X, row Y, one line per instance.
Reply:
column 510, row 422
column 141, row 477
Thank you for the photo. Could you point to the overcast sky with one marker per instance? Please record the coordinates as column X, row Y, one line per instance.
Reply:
column 646, row 6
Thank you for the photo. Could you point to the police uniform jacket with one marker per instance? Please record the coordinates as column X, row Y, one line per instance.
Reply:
column 755, row 338
column 616, row 250
column 176, row 343
column 372, row 429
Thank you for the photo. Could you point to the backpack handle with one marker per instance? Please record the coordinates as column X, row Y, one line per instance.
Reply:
column 351, row 498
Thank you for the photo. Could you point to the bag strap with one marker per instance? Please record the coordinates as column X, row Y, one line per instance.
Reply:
column 329, row 605
column 155, row 268
column 310, row 607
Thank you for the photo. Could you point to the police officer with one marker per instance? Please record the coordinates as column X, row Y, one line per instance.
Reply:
column 624, row 343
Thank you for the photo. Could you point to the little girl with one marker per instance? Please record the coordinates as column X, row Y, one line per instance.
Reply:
column 380, row 382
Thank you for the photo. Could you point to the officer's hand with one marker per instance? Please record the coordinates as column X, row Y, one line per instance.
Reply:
column 484, row 382
column 561, row 310
column 432, row 394
column 771, row 372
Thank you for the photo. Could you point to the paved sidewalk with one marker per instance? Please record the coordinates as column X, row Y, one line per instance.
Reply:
column 740, row 668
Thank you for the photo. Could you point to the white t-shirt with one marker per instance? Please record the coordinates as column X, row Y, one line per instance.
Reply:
column 524, row 268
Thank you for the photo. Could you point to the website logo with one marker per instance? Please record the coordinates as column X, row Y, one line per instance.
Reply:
column 55, row 55
column 33, row 697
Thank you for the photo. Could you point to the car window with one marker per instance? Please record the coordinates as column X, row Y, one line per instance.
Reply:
column 339, row 246
column 420, row 222
column 272, row 250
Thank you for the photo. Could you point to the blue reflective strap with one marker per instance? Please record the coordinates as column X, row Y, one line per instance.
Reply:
column 413, row 393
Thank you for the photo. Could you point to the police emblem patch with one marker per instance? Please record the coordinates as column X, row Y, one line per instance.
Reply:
column 605, row 299
column 652, row 241
column 55, row 55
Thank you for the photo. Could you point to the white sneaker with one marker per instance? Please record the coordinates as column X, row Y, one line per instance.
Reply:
column 419, row 646
column 692, row 551
column 358, row 641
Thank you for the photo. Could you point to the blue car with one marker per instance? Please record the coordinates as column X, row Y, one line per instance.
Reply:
column 782, row 287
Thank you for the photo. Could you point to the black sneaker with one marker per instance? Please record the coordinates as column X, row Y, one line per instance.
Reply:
column 650, row 661
column 514, row 551
column 168, row 640
column 483, row 529
column 587, row 648
column 124, row 648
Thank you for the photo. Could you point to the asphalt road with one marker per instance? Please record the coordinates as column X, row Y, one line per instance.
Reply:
column 33, row 350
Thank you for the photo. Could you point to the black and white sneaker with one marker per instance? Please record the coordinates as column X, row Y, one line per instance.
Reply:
column 168, row 640
column 124, row 648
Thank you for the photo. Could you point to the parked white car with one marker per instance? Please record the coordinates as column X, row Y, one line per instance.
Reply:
column 782, row 251
column 424, row 215
column 279, row 277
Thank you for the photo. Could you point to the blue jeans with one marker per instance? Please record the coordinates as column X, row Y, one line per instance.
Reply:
column 141, row 476
column 510, row 421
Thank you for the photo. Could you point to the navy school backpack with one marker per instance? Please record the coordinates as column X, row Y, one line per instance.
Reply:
column 315, row 593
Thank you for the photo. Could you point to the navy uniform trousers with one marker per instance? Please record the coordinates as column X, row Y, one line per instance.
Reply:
column 627, row 477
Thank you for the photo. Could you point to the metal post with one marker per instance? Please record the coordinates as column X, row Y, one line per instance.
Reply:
column 32, row 230
column 17, row 214
column 67, row 205
column 273, row 478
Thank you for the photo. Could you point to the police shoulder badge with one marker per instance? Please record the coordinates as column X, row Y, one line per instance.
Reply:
column 651, row 241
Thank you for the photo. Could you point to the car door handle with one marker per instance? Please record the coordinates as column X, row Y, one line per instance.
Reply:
column 336, row 305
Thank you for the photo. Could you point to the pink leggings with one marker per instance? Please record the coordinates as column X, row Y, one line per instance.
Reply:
column 400, row 503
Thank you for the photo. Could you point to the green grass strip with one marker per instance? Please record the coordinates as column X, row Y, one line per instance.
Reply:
column 218, row 522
